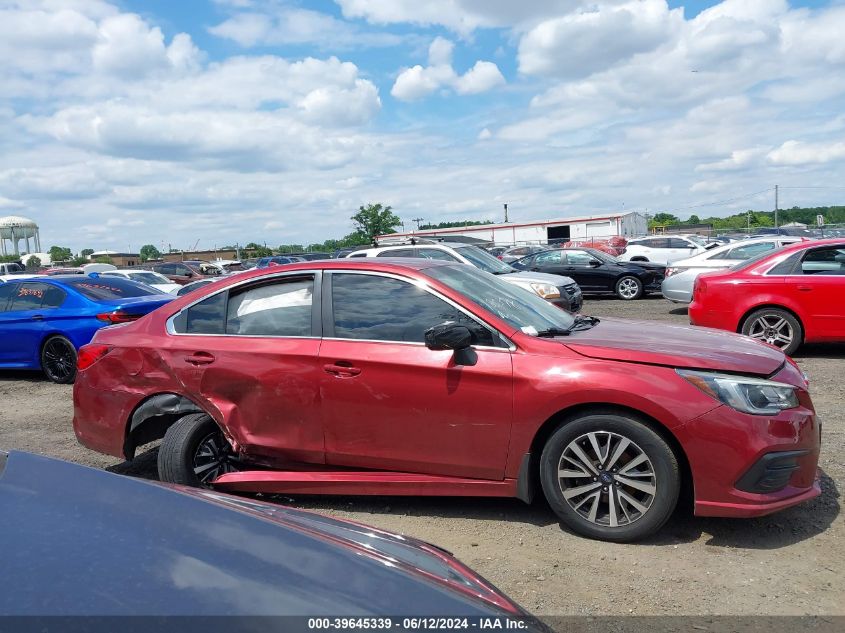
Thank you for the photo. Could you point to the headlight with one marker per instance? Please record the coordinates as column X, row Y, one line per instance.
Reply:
column 749, row 395
column 547, row 291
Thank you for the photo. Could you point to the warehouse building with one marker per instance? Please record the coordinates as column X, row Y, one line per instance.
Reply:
column 627, row 225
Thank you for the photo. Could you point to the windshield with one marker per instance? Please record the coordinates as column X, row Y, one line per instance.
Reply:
column 484, row 260
column 149, row 278
column 106, row 289
column 519, row 308
column 697, row 240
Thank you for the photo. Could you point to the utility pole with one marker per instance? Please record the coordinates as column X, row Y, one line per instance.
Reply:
column 506, row 213
column 776, row 206
column 417, row 220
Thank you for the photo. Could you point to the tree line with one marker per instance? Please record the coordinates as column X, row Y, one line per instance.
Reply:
column 756, row 219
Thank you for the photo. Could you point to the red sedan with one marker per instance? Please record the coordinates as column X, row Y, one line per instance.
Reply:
column 424, row 377
column 786, row 297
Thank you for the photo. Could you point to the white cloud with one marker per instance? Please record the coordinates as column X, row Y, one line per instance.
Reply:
column 418, row 81
column 800, row 153
column 584, row 42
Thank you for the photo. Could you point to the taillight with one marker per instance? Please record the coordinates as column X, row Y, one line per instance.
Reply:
column 90, row 354
column 118, row 317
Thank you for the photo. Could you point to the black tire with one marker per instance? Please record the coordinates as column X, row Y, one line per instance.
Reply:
column 58, row 360
column 628, row 288
column 186, row 447
column 788, row 336
column 594, row 518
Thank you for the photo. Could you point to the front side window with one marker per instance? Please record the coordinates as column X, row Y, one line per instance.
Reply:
column 398, row 252
column 679, row 243
column 375, row 308
column 483, row 260
column 282, row 308
column 579, row 258
column 549, row 258
column 433, row 253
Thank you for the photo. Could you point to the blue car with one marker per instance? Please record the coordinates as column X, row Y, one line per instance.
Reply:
column 45, row 320
column 264, row 262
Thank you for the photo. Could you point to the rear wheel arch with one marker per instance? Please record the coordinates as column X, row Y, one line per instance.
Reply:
column 530, row 479
column 153, row 416
column 763, row 306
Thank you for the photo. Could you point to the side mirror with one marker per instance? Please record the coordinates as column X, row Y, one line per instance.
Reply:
column 455, row 337
column 594, row 263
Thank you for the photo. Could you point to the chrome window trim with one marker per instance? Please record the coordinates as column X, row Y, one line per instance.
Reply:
column 427, row 288
column 170, row 330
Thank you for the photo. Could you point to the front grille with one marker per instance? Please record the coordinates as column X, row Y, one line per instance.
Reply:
column 569, row 289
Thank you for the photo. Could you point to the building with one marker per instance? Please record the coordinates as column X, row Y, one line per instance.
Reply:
column 117, row 259
column 203, row 256
column 15, row 229
column 628, row 224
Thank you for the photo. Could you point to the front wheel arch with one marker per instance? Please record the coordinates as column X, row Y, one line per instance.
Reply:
column 531, row 481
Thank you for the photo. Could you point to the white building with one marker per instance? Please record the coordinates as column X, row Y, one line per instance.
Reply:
column 628, row 224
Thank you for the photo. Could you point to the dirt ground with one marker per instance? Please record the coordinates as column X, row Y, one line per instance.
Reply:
column 788, row 563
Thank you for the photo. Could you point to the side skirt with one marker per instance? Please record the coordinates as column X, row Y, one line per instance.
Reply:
column 362, row 483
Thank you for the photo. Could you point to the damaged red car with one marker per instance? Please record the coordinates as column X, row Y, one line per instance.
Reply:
column 422, row 377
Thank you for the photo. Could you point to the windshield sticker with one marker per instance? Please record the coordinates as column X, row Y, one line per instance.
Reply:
column 530, row 330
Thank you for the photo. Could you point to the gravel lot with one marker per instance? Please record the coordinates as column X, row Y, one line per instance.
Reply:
column 789, row 563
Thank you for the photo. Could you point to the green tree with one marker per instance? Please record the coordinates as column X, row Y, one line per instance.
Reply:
column 257, row 250
column 79, row 261
column 662, row 219
column 148, row 251
column 693, row 219
column 60, row 254
column 9, row 258
column 86, row 252
column 374, row 219
column 32, row 263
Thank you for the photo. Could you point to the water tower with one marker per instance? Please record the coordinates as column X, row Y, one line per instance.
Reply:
column 14, row 229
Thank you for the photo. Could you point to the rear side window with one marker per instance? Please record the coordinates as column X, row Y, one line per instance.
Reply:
column 35, row 296
column 374, row 308
column 824, row 261
column 206, row 317
column 108, row 289
column 659, row 242
column 549, row 258
column 275, row 309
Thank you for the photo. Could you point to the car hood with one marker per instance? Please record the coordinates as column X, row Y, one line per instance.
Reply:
column 525, row 276
column 675, row 346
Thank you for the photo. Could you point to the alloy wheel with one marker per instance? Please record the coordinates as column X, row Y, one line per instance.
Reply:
column 59, row 359
column 607, row 479
column 772, row 329
column 213, row 458
column 628, row 288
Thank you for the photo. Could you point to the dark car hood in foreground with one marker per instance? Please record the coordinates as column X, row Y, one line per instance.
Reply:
column 78, row 541
column 675, row 346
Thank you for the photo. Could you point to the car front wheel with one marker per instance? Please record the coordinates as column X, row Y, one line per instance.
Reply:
column 610, row 477
column 194, row 452
column 629, row 288
column 775, row 327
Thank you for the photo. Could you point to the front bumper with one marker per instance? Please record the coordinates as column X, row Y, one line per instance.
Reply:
column 571, row 299
column 738, row 460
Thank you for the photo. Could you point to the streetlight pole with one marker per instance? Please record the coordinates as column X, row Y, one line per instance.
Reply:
column 776, row 206
column 506, row 213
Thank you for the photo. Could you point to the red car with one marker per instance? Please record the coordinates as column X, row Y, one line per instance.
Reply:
column 425, row 377
column 786, row 297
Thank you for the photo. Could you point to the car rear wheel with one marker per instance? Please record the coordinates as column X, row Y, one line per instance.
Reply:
column 194, row 452
column 775, row 327
column 629, row 288
column 58, row 360
column 610, row 477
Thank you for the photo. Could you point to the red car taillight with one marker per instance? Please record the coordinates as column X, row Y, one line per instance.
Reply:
column 90, row 354
column 118, row 317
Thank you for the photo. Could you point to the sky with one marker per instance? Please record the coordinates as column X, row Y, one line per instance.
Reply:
column 201, row 123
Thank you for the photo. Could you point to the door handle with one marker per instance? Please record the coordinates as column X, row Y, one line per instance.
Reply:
column 805, row 288
column 200, row 358
column 37, row 317
column 341, row 369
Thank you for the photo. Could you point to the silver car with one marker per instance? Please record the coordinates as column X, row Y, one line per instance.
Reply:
column 681, row 275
